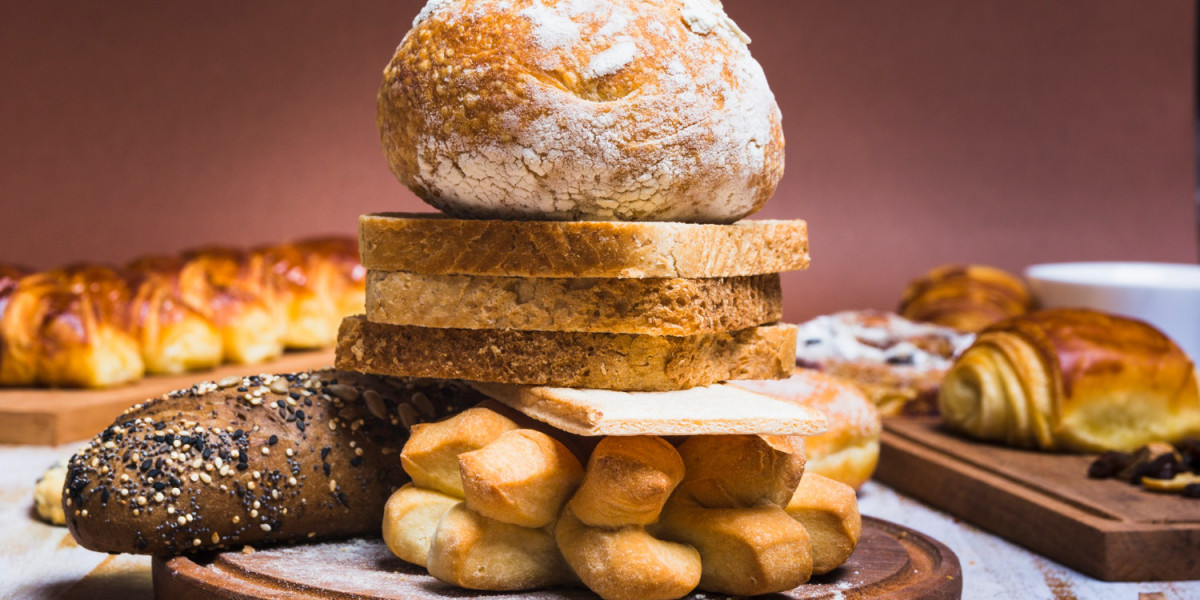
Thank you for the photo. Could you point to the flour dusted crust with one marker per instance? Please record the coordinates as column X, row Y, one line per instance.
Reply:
column 581, row 110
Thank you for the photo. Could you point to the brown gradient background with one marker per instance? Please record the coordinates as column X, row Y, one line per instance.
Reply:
column 920, row 132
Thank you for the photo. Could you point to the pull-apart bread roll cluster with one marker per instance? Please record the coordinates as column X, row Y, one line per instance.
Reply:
column 497, row 506
column 94, row 326
column 1073, row 380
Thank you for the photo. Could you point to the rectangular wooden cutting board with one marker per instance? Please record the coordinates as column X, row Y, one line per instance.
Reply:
column 1107, row 528
column 49, row 417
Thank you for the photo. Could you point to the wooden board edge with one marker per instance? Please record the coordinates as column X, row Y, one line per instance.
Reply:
column 34, row 419
column 935, row 574
column 1101, row 548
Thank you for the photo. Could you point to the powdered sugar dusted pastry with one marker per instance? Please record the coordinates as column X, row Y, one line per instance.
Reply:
column 899, row 363
column 581, row 110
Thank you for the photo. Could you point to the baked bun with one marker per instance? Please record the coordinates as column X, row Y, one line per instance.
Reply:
column 849, row 449
column 1074, row 380
column 556, row 110
column 965, row 297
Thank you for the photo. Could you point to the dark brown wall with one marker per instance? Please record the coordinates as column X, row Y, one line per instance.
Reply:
column 919, row 132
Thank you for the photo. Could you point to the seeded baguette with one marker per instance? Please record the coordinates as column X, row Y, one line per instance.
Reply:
column 660, row 306
column 433, row 244
column 274, row 458
column 618, row 361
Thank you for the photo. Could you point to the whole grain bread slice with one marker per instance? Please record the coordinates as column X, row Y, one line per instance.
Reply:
column 621, row 361
column 718, row 409
column 658, row 306
column 434, row 244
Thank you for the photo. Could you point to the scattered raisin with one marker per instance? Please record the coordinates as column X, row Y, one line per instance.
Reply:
column 1109, row 464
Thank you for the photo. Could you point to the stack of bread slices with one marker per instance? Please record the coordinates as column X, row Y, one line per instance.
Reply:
column 601, row 342
column 635, row 306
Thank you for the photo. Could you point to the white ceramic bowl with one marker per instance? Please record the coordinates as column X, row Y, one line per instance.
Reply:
column 1166, row 295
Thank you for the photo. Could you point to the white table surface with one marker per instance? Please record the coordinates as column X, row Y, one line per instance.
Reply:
column 39, row 561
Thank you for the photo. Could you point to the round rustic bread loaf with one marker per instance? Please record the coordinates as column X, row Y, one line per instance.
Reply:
column 581, row 110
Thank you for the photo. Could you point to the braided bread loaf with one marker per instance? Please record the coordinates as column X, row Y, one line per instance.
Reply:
column 95, row 326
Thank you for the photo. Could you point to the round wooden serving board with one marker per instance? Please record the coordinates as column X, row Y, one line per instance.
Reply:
column 891, row 562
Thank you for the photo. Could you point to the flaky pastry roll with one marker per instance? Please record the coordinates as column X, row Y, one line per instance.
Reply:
column 965, row 297
column 1072, row 380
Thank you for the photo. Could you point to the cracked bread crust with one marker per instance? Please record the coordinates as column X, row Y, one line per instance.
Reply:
column 565, row 110
column 618, row 361
column 659, row 306
column 436, row 245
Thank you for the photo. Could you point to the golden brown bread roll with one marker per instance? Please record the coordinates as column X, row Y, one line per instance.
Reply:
column 730, row 507
column 965, row 297
column 602, row 534
column 174, row 335
column 474, row 552
column 70, row 327
column 410, row 520
column 621, row 110
column 522, row 477
column 484, row 497
column 828, row 510
column 849, row 449
column 1073, row 380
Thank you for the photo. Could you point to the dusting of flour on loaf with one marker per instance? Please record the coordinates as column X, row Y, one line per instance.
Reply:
column 429, row 8
column 612, row 60
column 583, row 109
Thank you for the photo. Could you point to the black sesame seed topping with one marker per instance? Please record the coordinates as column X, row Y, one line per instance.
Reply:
column 273, row 440
column 146, row 464
column 356, row 461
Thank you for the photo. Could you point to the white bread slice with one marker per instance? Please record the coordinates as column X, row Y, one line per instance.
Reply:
column 707, row 410
column 434, row 244
column 658, row 306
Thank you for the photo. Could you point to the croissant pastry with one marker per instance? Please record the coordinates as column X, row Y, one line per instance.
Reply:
column 70, row 327
column 965, row 297
column 1072, row 380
